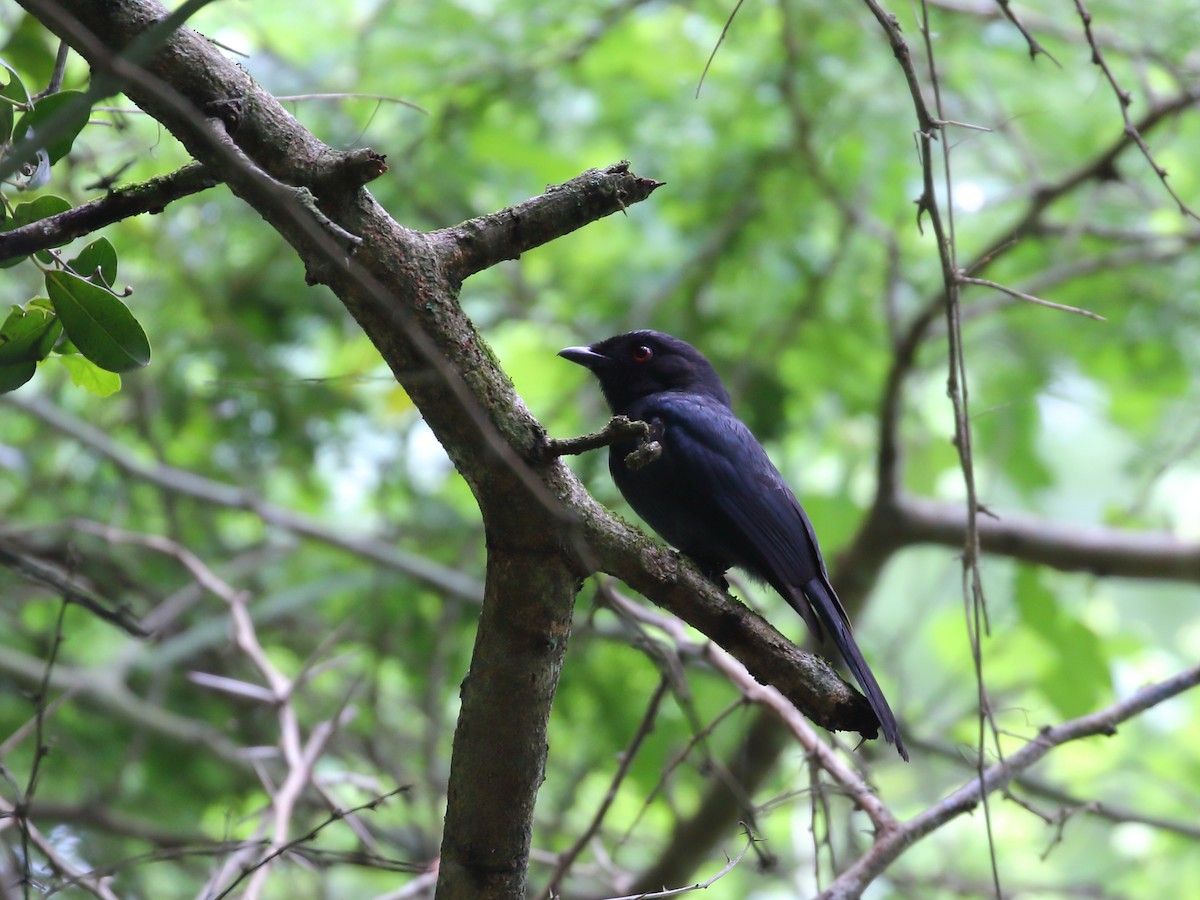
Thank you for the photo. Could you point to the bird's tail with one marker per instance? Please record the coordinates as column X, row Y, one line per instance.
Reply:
column 833, row 616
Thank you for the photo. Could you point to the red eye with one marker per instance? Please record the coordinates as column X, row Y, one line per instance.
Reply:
column 642, row 354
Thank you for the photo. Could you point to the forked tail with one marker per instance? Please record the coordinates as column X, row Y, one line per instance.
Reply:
column 833, row 617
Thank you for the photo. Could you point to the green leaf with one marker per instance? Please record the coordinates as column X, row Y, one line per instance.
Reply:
column 98, row 323
column 99, row 255
column 12, row 377
column 89, row 376
column 33, row 211
column 66, row 112
column 30, row 48
column 28, row 334
column 41, row 208
column 12, row 96
column 51, row 335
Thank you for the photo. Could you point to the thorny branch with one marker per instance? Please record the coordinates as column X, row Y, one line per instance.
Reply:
column 1125, row 100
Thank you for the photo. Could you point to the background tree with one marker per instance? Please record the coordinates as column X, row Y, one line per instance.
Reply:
column 268, row 500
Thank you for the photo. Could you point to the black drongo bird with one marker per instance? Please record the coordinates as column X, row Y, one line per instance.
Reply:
column 712, row 492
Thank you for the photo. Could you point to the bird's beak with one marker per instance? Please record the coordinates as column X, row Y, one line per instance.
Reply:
column 584, row 356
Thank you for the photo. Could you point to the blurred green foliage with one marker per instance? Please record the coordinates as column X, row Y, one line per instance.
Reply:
column 785, row 244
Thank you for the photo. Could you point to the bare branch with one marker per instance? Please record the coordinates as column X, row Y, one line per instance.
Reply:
column 619, row 428
column 699, row 886
column 218, row 493
column 482, row 242
column 1034, row 47
column 854, row 880
column 1124, row 99
column 1098, row 550
column 68, row 588
column 1030, row 298
column 567, row 859
column 847, row 779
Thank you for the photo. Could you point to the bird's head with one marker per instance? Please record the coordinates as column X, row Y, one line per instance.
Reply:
column 635, row 365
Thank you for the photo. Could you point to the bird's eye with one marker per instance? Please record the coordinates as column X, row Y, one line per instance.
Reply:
column 642, row 354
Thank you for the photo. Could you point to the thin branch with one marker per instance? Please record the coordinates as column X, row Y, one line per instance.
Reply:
column 183, row 482
column 1098, row 550
column 68, row 589
column 92, row 883
column 974, row 599
column 1034, row 47
column 309, row 836
column 567, row 859
column 60, row 70
column 854, row 880
column 619, row 428
column 1030, row 298
column 1124, row 100
column 847, row 779
column 482, row 242
column 1101, row 809
column 717, row 46
column 699, row 886
column 122, row 203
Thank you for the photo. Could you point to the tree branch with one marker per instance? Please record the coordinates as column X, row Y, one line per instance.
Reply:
column 67, row 588
column 1095, row 549
column 218, row 493
column 854, row 880
column 480, row 243
column 121, row 203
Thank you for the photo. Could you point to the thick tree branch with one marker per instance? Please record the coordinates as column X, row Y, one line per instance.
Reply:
column 1094, row 549
column 675, row 584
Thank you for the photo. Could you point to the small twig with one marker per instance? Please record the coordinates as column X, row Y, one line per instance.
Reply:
column 619, row 428
column 848, row 780
column 717, row 46
column 351, row 95
column 1034, row 47
column 1030, row 298
column 91, row 882
column 56, row 77
column 336, row 816
column 69, row 590
column 1124, row 100
column 854, row 880
column 567, row 859
column 699, row 886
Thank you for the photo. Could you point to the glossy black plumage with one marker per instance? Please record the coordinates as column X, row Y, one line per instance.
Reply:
column 713, row 493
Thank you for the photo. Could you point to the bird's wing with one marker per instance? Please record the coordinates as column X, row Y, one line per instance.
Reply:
column 715, row 455
column 722, row 463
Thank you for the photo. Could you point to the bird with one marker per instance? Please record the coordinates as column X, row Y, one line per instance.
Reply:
column 712, row 492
